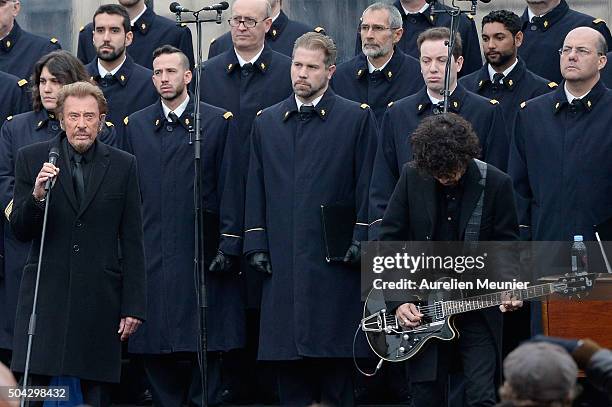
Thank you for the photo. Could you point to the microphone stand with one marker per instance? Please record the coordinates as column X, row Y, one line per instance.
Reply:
column 454, row 12
column 196, row 136
column 32, row 324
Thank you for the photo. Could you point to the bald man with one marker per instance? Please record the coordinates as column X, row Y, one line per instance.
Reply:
column 560, row 160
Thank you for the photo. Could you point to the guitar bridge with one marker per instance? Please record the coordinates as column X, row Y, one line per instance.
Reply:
column 378, row 322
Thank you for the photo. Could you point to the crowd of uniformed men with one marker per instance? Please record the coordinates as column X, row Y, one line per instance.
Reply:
column 285, row 130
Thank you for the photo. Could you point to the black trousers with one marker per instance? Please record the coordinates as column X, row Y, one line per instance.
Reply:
column 95, row 394
column 306, row 381
column 477, row 352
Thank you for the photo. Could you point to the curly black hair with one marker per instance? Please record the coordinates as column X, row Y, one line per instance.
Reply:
column 443, row 144
column 510, row 20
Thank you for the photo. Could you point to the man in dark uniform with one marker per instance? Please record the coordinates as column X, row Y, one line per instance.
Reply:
column 126, row 85
column 150, row 32
column 314, row 148
column 559, row 160
column 545, row 25
column 13, row 96
column 51, row 72
column 447, row 191
column 606, row 73
column 160, row 137
column 382, row 73
column 92, row 293
column 19, row 49
column 504, row 77
column 417, row 18
column 280, row 37
column 402, row 117
column 243, row 80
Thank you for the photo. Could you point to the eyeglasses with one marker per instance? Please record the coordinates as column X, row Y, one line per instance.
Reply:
column 248, row 22
column 582, row 51
column 376, row 28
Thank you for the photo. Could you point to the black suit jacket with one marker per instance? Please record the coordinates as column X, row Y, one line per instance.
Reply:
column 411, row 216
column 92, row 267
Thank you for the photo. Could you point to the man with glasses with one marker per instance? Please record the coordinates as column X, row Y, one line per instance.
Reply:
column 545, row 25
column 244, row 80
column 417, row 17
column 150, row 32
column 19, row 49
column 381, row 73
column 559, row 159
column 280, row 37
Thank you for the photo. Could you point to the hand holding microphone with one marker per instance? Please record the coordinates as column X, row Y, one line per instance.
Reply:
column 46, row 175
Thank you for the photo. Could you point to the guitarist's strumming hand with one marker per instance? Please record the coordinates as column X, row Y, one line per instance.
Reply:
column 510, row 304
column 408, row 315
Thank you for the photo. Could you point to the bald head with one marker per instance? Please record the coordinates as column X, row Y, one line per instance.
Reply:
column 582, row 57
column 591, row 35
column 262, row 7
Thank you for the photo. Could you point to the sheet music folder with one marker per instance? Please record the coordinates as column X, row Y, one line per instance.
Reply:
column 338, row 222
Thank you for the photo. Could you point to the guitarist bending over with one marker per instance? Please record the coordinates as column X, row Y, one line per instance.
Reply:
column 436, row 198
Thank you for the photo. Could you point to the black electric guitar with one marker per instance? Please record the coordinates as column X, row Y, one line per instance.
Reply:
column 395, row 343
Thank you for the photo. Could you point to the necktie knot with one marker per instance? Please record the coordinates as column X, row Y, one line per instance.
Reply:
column 498, row 78
column 172, row 117
column 306, row 111
column 246, row 69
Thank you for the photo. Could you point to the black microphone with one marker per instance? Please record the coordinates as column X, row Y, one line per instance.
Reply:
column 53, row 156
column 177, row 8
column 217, row 7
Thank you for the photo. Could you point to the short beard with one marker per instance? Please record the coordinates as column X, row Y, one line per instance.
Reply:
column 376, row 53
column 503, row 60
column 113, row 56
column 128, row 3
column 307, row 94
column 175, row 95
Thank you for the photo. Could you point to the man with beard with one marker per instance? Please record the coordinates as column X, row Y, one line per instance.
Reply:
column 402, row 117
column 160, row 137
column 280, row 37
column 504, row 77
column 51, row 73
column 382, row 73
column 126, row 85
column 314, row 148
column 545, row 25
column 150, row 31
column 19, row 49
column 417, row 17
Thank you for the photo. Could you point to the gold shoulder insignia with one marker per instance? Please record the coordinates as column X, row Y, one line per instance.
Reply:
column 599, row 21
column 126, row 120
column 183, row 24
column 319, row 30
column 471, row 17
column 552, row 85
column 493, row 102
column 259, row 113
column 22, row 82
column 8, row 210
column 365, row 106
column 523, row 105
column 81, row 28
column 109, row 124
column 228, row 115
column 390, row 104
column 213, row 40
column 9, row 118
column 53, row 40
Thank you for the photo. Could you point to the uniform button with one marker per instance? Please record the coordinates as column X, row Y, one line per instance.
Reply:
column 169, row 128
column 413, row 20
column 54, row 127
column 534, row 28
column 75, row 248
column 450, row 218
column 79, row 223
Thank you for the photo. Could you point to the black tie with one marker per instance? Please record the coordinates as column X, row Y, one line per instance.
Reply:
column 498, row 79
column 107, row 80
column 246, row 69
column 306, row 112
column 577, row 105
column 173, row 117
column 77, row 178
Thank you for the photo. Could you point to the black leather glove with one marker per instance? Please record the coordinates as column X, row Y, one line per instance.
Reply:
column 260, row 261
column 221, row 263
column 353, row 254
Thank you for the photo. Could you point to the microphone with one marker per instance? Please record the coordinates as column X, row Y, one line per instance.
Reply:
column 53, row 156
column 177, row 8
column 217, row 7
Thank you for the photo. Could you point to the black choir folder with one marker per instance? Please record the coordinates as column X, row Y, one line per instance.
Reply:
column 338, row 221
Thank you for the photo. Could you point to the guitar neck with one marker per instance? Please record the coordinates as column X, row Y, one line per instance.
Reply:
column 495, row 299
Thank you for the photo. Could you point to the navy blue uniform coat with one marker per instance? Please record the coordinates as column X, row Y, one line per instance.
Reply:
column 166, row 173
column 86, row 286
column 544, row 37
column 401, row 77
column 20, row 50
column 561, row 167
column 151, row 31
column 308, row 305
column 280, row 38
column 403, row 117
column 14, row 99
column 414, row 24
column 22, row 130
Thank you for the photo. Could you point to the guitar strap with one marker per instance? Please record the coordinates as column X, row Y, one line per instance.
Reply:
column 472, row 229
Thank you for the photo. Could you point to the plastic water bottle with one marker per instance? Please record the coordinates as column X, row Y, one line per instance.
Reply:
column 579, row 255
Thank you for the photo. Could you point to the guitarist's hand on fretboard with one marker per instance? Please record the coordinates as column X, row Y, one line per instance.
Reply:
column 511, row 304
column 408, row 315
